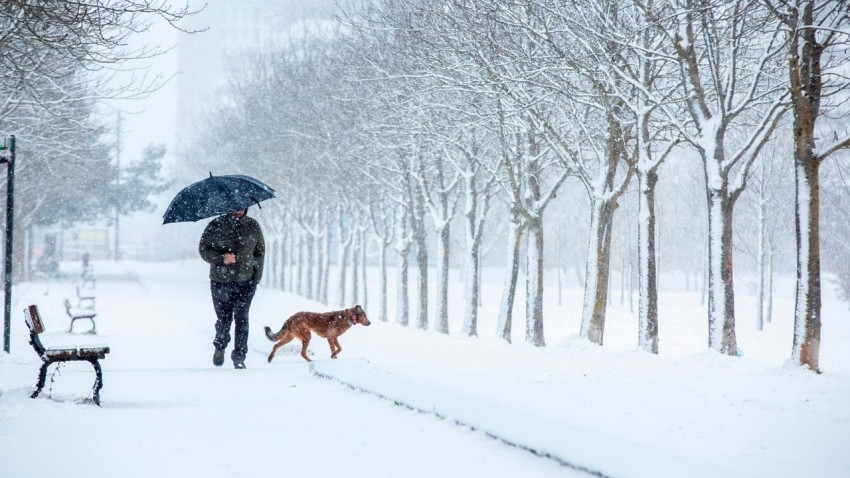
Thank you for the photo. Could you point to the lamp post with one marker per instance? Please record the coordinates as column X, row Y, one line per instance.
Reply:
column 8, row 157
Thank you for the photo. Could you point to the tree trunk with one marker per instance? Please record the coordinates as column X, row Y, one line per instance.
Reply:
column 762, row 267
column 577, row 268
column 403, row 300
column 319, row 262
column 382, row 265
column 806, row 87
column 421, row 241
column 472, row 279
column 704, row 275
column 310, row 246
column 355, row 268
column 402, row 289
column 721, row 293
column 558, row 264
column 342, row 262
column 623, row 278
column 299, row 281
column 471, row 290
column 807, row 310
column 441, row 323
column 422, row 286
column 597, row 271
column 364, row 296
column 282, row 258
column 321, row 239
column 631, row 287
column 327, row 266
column 506, row 307
column 289, row 257
column 769, row 300
column 534, row 286
column 648, row 284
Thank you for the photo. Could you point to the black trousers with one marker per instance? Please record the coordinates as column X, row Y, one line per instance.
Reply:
column 232, row 301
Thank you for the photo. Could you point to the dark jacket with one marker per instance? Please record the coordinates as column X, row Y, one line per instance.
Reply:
column 242, row 237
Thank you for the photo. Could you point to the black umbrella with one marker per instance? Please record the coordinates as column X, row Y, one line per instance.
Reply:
column 214, row 196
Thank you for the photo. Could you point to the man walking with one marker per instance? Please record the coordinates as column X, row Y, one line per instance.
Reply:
column 234, row 247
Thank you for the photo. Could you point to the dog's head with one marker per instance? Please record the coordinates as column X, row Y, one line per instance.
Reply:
column 360, row 316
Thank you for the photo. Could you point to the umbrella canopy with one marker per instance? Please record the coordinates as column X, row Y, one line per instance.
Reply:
column 214, row 196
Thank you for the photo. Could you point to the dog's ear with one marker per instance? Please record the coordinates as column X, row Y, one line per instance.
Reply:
column 358, row 308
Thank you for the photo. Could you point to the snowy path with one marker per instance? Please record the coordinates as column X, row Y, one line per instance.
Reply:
column 168, row 412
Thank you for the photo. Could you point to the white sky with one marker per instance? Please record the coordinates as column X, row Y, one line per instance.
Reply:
column 152, row 119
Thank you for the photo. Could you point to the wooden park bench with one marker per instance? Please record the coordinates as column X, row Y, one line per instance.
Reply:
column 88, row 282
column 84, row 301
column 76, row 314
column 87, row 279
column 65, row 354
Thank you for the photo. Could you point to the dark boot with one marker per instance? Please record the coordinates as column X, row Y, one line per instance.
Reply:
column 218, row 357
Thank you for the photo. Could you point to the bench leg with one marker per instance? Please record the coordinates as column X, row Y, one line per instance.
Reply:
column 42, row 376
column 93, row 330
column 98, row 381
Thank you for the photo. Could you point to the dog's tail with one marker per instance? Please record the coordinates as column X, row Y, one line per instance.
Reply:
column 275, row 337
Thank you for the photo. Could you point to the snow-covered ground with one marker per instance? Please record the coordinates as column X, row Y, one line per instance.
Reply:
column 611, row 410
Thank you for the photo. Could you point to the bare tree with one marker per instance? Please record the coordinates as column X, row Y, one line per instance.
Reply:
column 763, row 207
column 437, row 183
column 641, row 71
column 467, row 157
column 404, row 241
column 344, row 236
column 382, row 218
column 817, row 35
column 38, row 37
column 493, row 54
column 727, row 55
column 584, row 124
column 56, row 62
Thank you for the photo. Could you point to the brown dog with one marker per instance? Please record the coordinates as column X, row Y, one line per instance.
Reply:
column 329, row 325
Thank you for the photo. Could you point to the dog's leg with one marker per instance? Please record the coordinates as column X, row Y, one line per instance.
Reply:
column 336, row 348
column 304, row 344
column 274, row 349
column 286, row 339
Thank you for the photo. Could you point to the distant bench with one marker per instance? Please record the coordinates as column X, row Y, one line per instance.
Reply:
column 50, row 356
column 87, row 278
column 77, row 313
column 85, row 301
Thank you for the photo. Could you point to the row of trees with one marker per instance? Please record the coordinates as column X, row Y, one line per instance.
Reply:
column 59, row 61
column 421, row 115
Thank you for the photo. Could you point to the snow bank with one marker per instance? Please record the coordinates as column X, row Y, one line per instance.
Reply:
column 573, row 447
